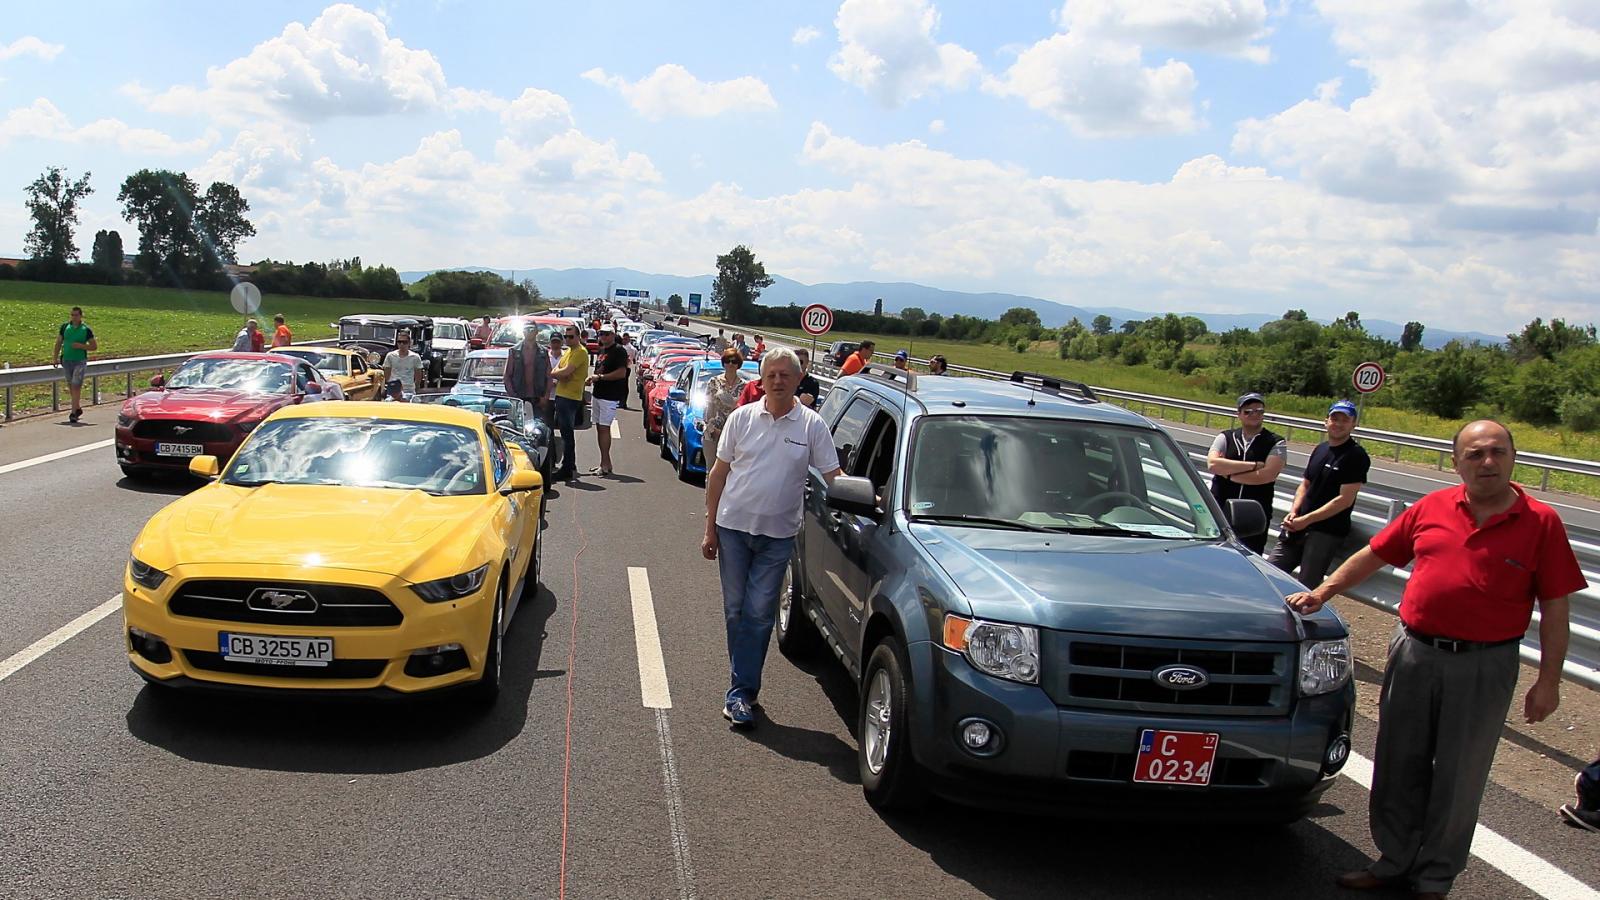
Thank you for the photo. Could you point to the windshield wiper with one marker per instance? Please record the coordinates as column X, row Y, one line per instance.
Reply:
column 1111, row 529
column 980, row 520
column 258, row 482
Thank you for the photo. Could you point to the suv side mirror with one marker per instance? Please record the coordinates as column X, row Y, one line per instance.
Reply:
column 1247, row 518
column 855, row 495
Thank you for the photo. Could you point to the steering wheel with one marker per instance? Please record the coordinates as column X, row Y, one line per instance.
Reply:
column 1106, row 499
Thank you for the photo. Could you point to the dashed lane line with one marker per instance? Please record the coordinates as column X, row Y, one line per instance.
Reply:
column 654, row 693
column 60, row 454
column 15, row 662
column 1537, row 875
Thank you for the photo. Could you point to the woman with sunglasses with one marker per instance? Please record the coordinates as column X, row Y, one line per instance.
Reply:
column 724, row 399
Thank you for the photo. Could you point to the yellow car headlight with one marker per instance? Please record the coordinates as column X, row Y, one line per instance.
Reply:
column 453, row 588
column 145, row 575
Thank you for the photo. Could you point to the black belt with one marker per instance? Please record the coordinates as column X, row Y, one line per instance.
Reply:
column 1451, row 645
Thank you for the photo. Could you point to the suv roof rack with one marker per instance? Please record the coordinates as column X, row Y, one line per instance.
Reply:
column 1053, row 384
column 890, row 375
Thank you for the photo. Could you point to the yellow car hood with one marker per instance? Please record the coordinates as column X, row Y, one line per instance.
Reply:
column 407, row 533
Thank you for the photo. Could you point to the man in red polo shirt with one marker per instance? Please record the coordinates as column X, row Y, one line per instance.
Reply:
column 1484, row 553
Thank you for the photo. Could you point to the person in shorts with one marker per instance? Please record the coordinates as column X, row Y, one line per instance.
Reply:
column 401, row 365
column 610, row 381
column 571, row 374
column 74, row 341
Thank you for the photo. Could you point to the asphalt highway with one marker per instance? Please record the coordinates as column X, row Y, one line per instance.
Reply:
column 585, row 781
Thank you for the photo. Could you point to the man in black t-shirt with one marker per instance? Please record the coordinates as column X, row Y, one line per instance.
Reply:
column 1319, row 517
column 808, row 389
column 610, row 380
column 1244, row 463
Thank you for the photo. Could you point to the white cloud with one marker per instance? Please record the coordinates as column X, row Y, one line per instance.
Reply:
column 805, row 34
column 889, row 50
column 343, row 64
column 42, row 120
column 672, row 91
column 936, row 126
column 1218, row 26
column 536, row 116
column 28, row 45
column 1100, row 88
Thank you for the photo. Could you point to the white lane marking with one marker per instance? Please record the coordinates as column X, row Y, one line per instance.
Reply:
column 14, row 663
column 647, row 640
column 683, row 867
column 1537, row 875
column 52, row 457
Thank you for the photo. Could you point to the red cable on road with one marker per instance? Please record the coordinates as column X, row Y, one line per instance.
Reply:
column 572, row 656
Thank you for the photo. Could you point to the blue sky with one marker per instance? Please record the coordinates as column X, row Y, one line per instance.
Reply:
column 1431, row 159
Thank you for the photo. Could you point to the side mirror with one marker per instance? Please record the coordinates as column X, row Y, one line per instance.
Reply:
column 855, row 495
column 524, row 480
column 205, row 467
column 677, row 395
column 1247, row 518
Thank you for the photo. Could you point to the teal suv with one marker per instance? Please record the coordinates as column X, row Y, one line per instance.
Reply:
column 1044, row 607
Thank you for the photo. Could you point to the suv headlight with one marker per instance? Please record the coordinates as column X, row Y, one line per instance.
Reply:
column 453, row 588
column 145, row 575
column 996, row 648
column 1324, row 666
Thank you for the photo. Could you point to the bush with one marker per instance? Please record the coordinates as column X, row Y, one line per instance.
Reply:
column 1021, row 346
column 1133, row 354
column 1188, row 362
column 8, row 272
column 1446, row 381
column 1534, row 392
column 1580, row 412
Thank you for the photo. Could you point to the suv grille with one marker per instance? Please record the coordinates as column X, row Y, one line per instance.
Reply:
column 181, row 430
column 336, row 605
column 1244, row 679
column 338, row 668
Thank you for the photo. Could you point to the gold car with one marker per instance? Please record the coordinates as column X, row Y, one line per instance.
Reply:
column 348, row 369
column 359, row 546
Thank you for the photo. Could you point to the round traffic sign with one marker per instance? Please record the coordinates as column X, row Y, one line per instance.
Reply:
column 1368, row 377
column 246, row 298
column 816, row 319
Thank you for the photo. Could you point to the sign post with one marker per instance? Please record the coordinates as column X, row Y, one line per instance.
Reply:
column 815, row 320
column 1367, row 378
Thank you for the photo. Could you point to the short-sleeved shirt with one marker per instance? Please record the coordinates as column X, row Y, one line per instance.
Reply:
column 1472, row 582
column 403, row 367
column 809, row 385
column 572, row 388
column 611, row 360
column 282, row 337
column 241, row 341
column 769, row 458
column 751, row 392
column 74, row 334
column 1329, row 469
column 258, row 341
column 852, row 364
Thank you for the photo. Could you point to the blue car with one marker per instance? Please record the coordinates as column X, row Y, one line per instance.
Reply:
column 683, row 418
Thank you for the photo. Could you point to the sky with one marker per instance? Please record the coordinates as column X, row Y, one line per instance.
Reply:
column 1435, row 160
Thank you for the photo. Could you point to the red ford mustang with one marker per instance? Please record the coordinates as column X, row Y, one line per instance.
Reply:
column 655, row 401
column 206, row 408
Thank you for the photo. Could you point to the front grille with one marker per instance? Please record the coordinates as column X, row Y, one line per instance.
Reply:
column 1227, row 772
column 338, row 668
column 337, row 605
column 180, row 430
column 1116, row 673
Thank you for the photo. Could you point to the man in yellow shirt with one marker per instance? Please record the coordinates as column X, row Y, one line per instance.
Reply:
column 571, row 376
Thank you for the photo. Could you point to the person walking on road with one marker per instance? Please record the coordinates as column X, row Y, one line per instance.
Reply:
column 754, row 494
column 717, row 344
column 571, row 374
column 1319, row 518
column 610, row 381
column 527, row 375
column 249, row 338
column 1245, row 462
column 74, row 342
column 625, row 341
column 281, row 335
column 1585, row 813
column 854, row 362
column 727, row 394
column 401, row 365
column 1483, row 553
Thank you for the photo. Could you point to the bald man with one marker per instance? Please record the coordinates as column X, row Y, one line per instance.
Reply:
column 1484, row 553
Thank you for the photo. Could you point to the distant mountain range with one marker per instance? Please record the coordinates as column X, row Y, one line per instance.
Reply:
column 860, row 295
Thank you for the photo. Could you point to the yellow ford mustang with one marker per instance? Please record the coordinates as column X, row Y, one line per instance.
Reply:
column 345, row 547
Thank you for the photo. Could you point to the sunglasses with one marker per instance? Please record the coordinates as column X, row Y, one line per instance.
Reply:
column 1256, row 411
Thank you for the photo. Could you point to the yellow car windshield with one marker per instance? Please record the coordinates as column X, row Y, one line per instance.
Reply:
column 423, row 456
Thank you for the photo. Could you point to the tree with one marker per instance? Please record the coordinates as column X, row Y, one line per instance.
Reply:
column 107, row 254
column 1411, row 337
column 740, row 279
column 53, row 202
column 1447, row 381
column 913, row 314
column 877, row 307
column 675, row 305
column 1019, row 315
column 1101, row 325
column 1549, row 341
column 220, row 224
column 1193, row 328
column 1130, row 326
column 185, row 236
column 532, row 290
column 1295, row 315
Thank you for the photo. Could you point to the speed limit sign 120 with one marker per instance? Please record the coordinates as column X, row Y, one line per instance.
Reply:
column 1368, row 377
column 816, row 319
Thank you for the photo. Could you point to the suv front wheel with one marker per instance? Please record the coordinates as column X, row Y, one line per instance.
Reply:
column 797, row 634
column 889, row 776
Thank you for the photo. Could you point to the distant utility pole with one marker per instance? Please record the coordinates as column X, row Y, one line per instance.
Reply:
column 608, row 291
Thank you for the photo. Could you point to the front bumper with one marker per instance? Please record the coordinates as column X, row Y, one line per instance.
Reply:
column 1068, row 759
column 140, row 453
column 367, row 658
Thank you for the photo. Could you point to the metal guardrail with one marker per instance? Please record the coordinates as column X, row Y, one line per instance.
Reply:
column 1372, row 512
column 126, row 366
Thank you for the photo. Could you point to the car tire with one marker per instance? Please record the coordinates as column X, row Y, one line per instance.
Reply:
column 682, row 462
column 666, row 452
column 650, row 437
column 798, row 637
column 889, row 776
column 487, row 690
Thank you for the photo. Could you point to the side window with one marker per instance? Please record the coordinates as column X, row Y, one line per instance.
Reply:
column 875, row 460
column 848, row 433
column 302, row 377
column 358, row 365
column 833, row 405
column 499, row 457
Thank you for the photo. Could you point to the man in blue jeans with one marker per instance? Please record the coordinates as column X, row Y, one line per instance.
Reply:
column 754, row 497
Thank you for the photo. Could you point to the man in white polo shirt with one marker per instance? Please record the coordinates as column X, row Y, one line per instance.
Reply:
column 754, row 497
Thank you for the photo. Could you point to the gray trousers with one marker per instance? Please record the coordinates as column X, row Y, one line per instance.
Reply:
column 1439, row 719
column 1310, row 551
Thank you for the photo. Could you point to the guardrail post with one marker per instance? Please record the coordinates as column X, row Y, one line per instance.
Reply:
column 128, row 391
column 1544, row 481
column 1441, row 460
column 55, row 396
column 94, row 390
column 1183, row 414
column 1397, row 451
column 8, row 403
column 1396, row 507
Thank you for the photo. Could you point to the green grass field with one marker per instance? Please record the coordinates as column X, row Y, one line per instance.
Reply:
column 141, row 321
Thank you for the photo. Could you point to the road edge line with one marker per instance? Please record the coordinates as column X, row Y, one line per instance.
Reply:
column 15, row 663
column 654, row 690
column 52, row 457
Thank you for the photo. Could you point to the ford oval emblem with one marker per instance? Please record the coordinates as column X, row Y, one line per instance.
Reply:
column 1181, row 678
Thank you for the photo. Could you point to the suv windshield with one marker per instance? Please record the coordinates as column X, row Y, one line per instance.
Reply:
column 484, row 368
column 440, row 459
column 1056, row 475
column 333, row 363
column 510, row 333
column 254, row 375
column 450, row 331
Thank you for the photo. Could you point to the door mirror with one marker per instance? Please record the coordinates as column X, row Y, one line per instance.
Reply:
column 677, row 395
column 205, row 467
column 1247, row 518
column 855, row 495
column 523, row 480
